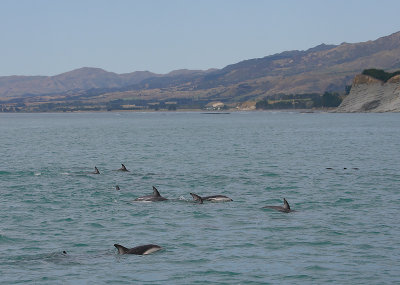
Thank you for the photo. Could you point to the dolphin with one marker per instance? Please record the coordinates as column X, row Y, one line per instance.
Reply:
column 140, row 250
column 117, row 187
column 123, row 168
column 215, row 198
column 285, row 208
column 96, row 171
column 155, row 197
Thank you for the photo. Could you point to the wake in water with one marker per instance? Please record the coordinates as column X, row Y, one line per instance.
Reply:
column 62, row 257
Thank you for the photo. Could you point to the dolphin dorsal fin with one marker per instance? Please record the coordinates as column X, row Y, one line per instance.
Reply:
column 286, row 204
column 123, row 167
column 121, row 249
column 197, row 198
column 117, row 187
column 96, row 171
column 155, row 192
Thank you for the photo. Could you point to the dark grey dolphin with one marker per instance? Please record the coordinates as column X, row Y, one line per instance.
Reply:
column 215, row 198
column 140, row 250
column 96, row 171
column 155, row 197
column 285, row 208
column 123, row 168
column 117, row 187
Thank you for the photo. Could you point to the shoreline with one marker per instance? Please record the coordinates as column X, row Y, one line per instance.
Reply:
column 303, row 111
column 227, row 111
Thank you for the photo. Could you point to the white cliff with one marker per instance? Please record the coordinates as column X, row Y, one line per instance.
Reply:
column 372, row 95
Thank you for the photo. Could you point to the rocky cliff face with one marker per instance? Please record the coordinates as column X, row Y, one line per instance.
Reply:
column 372, row 95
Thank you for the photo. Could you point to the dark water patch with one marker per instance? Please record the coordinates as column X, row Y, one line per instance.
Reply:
column 147, row 177
column 298, row 277
column 219, row 273
column 10, row 239
column 343, row 201
column 96, row 225
column 316, row 268
column 65, row 220
column 57, row 257
column 81, row 245
column 270, row 174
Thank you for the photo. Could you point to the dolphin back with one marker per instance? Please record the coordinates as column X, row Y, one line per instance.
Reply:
column 139, row 250
column 217, row 198
column 121, row 249
column 153, row 197
column 155, row 192
column 123, row 168
column 285, row 208
column 197, row 198
column 286, row 205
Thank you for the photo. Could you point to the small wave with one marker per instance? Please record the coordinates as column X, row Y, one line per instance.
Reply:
column 81, row 245
column 96, row 225
column 269, row 174
column 37, row 173
column 316, row 268
column 181, row 198
column 221, row 272
column 6, row 239
column 65, row 220
column 344, row 200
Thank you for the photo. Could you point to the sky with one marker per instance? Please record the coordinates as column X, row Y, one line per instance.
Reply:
column 49, row 37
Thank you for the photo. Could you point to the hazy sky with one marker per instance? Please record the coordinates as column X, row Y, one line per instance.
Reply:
column 48, row 37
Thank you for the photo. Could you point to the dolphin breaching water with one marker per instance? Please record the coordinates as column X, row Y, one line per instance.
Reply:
column 155, row 197
column 214, row 198
column 140, row 250
column 285, row 208
column 123, row 168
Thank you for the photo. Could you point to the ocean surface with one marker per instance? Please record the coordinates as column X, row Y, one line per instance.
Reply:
column 340, row 172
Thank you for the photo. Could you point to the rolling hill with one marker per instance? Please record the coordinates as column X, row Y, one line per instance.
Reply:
column 316, row 70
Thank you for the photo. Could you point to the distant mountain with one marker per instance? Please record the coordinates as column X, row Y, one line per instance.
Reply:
column 316, row 70
column 79, row 79
column 325, row 67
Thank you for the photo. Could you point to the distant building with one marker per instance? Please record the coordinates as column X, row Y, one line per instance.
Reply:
column 215, row 106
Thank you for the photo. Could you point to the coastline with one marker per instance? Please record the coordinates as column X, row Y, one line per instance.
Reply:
column 303, row 111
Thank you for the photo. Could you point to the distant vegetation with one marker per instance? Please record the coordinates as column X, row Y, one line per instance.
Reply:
column 274, row 102
column 300, row 101
column 113, row 105
column 380, row 74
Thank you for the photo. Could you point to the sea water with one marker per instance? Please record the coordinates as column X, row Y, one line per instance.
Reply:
column 339, row 172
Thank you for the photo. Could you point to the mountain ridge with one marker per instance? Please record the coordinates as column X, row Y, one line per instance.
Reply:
column 315, row 70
